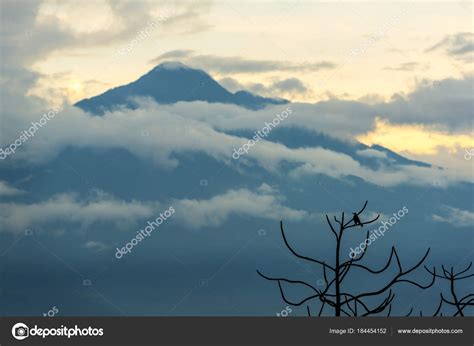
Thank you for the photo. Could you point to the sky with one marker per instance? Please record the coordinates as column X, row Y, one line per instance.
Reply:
column 374, row 53
column 233, row 35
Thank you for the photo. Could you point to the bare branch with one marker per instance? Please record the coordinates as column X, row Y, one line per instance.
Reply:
column 289, row 281
column 363, row 208
column 298, row 255
column 452, row 277
column 439, row 307
column 464, row 277
column 293, row 303
column 332, row 228
column 367, row 268
column 349, row 304
column 465, row 270
column 397, row 279
column 322, row 308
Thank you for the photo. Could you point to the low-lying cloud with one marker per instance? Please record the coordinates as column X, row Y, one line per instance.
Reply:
column 68, row 207
column 455, row 217
column 8, row 190
column 288, row 87
column 265, row 202
column 202, row 128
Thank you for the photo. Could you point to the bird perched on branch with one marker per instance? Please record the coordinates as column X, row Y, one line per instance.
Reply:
column 356, row 220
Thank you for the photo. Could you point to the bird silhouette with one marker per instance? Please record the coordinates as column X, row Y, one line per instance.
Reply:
column 356, row 220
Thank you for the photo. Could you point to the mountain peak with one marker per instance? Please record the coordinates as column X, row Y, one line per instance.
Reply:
column 172, row 82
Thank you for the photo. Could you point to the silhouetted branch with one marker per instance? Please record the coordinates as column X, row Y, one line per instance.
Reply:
column 287, row 280
column 451, row 276
column 332, row 228
column 344, row 303
column 298, row 255
column 321, row 309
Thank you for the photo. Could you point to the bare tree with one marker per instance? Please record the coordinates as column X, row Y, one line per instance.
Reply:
column 452, row 277
column 334, row 297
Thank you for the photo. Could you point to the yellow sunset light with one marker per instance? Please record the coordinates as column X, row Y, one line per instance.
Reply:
column 415, row 138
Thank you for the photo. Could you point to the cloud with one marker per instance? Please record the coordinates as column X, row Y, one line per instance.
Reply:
column 372, row 153
column 433, row 103
column 176, row 54
column 229, row 65
column 200, row 127
column 95, row 245
column 68, row 208
column 22, row 40
column 64, row 86
column 459, row 46
column 234, row 85
column 456, row 217
column 7, row 190
column 33, row 30
column 203, row 127
column 430, row 104
column 371, row 99
column 407, row 66
column 290, row 85
column 281, row 87
column 264, row 202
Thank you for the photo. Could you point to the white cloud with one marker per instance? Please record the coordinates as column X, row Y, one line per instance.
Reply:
column 34, row 29
column 95, row 245
column 456, row 217
column 196, row 127
column 265, row 203
column 68, row 208
column 7, row 190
